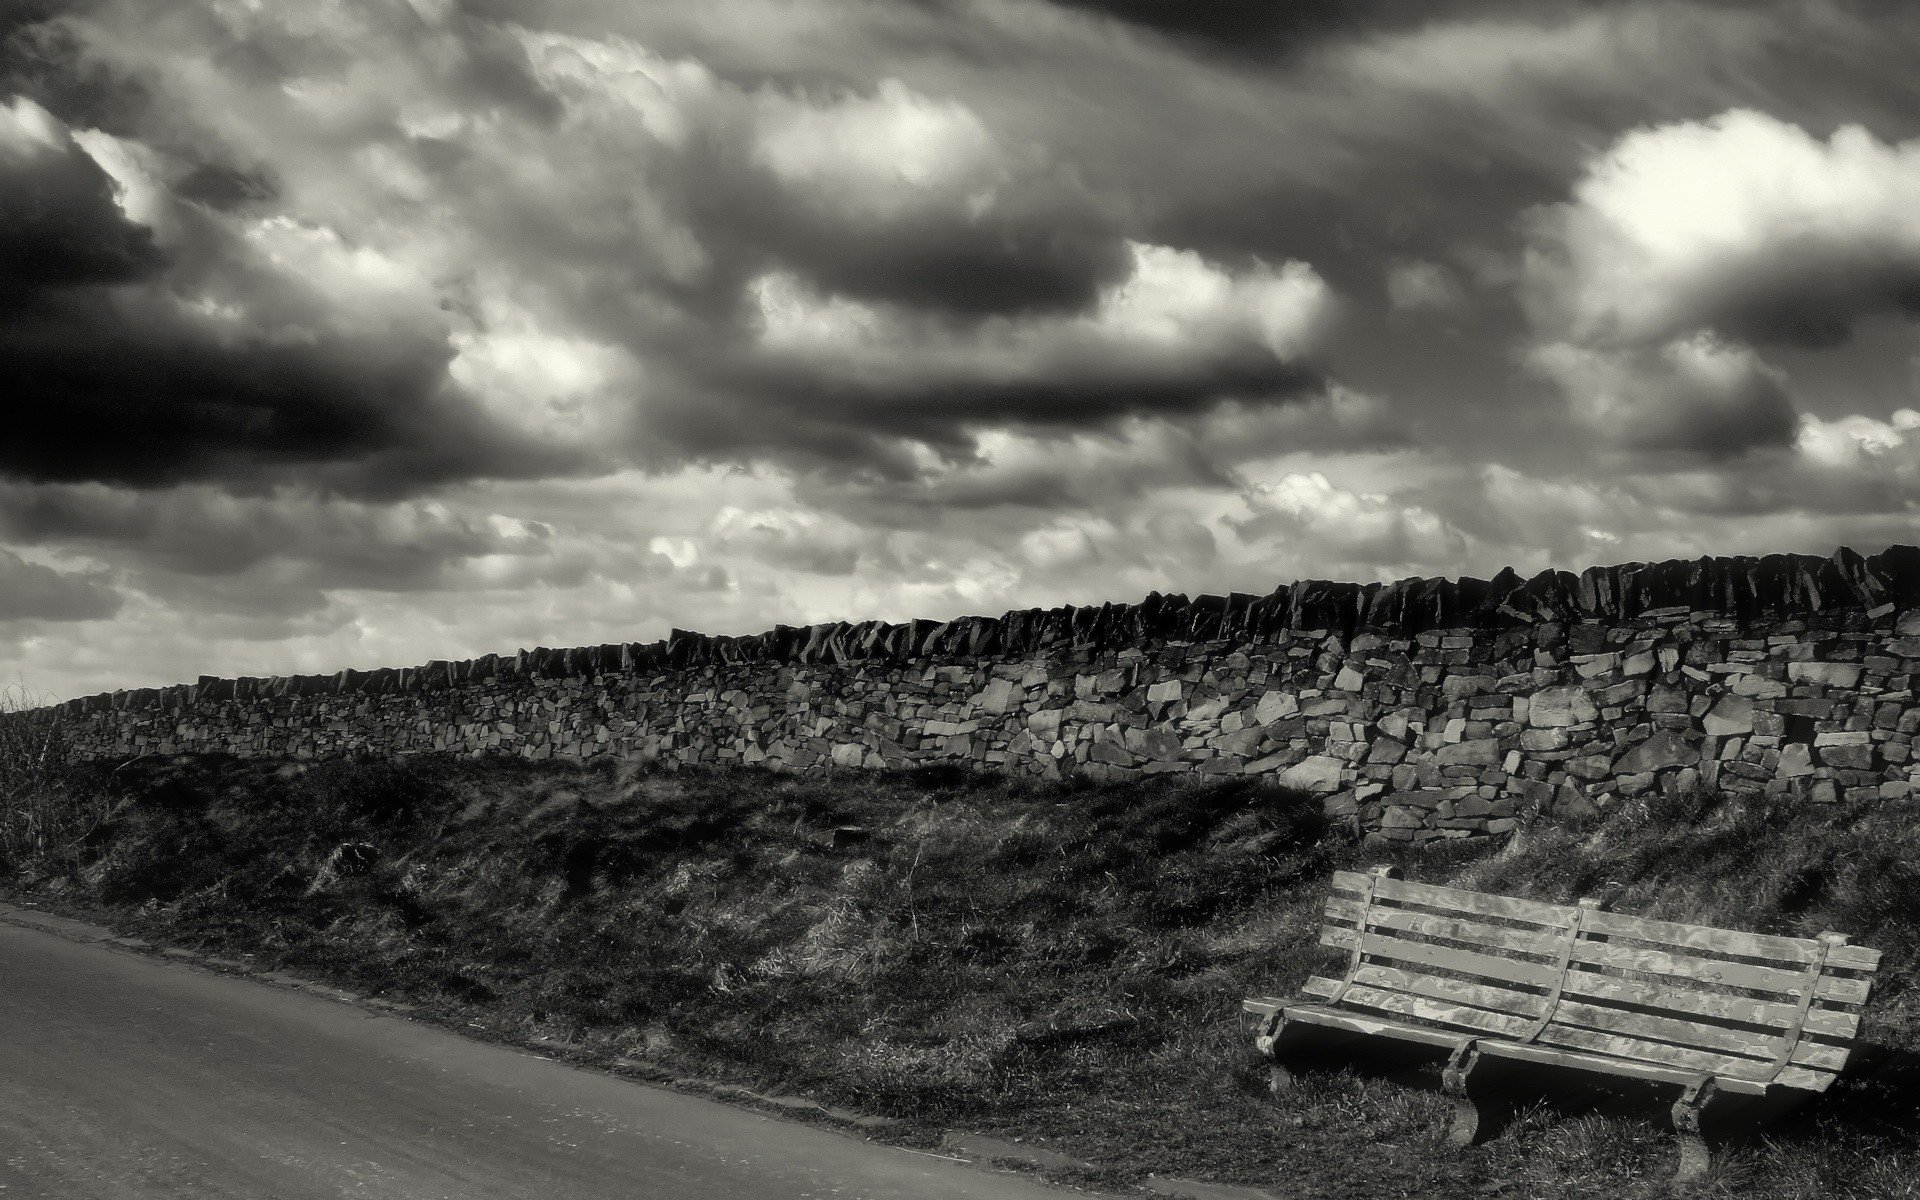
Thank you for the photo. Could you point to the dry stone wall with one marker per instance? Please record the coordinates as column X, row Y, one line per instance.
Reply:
column 1421, row 710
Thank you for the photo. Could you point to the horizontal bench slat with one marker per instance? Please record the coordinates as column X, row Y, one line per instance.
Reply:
column 1596, row 953
column 1458, row 929
column 1609, row 1045
column 1712, row 970
column 1722, row 1065
column 1797, row 951
column 1826, row 1021
column 1510, row 970
column 1457, row 899
column 1526, row 1005
column 1459, row 1016
column 1814, row 1055
column 1716, row 1038
column 1556, row 1056
column 1339, row 1018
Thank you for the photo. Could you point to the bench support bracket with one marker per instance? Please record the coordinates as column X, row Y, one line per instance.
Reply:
column 1471, row 1125
column 1695, row 1155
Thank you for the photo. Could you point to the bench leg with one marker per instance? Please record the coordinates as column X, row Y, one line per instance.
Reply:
column 1695, row 1155
column 1285, row 1043
column 1472, row 1123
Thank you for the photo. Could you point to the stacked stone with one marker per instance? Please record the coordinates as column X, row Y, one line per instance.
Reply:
column 1423, row 710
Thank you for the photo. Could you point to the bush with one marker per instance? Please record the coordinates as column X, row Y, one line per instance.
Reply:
column 49, row 804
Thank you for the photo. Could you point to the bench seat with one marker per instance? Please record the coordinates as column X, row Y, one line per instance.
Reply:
column 1489, row 978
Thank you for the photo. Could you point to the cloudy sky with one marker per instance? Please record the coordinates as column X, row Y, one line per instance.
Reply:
column 364, row 332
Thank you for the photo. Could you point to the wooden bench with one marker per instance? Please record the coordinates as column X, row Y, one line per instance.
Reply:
column 1733, row 1019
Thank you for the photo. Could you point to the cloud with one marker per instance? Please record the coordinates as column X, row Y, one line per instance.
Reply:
column 1743, row 224
column 222, row 349
column 1312, row 516
column 1177, row 333
column 31, row 590
column 1424, row 286
column 315, row 540
column 1696, row 395
column 59, row 223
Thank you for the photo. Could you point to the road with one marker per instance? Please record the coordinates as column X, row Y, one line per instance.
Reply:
column 125, row 1077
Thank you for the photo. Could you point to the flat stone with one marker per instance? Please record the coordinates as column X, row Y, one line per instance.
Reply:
column 1543, row 739
column 1659, row 752
column 1480, row 752
column 1796, row 760
column 1319, row 774
column 1857, row 758
column 1154, row 741
column 1828, row 674
column 1349, row 680
column 1758, row 686
column 1558, row 707
column 1403, row 816
column 1275, row 706
column 1164, row 692
column 1731, row 715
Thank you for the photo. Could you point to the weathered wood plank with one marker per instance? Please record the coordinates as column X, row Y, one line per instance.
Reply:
column 1716, row 971
column 1544, row 942
column 1718, row 1038
column 1459, row 1016
column 1527, row 1005
column 1555, row 1056
column 1649, row 994
column 1459, row 900
column 1614, row 1045
column 1339, row 1018
column 1510, row 970
column 1796, row 951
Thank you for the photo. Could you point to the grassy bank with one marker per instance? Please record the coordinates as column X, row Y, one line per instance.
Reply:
column 1054, row 961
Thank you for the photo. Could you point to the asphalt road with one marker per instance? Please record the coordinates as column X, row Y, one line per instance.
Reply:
column 122, row 1077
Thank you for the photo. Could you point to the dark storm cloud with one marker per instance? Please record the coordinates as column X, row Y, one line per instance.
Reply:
column 201, row 531
column 59, row 225
column 30, row 590
column 137, row 385
column 1260, row 27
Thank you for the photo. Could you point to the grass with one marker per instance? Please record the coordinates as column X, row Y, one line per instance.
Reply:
column 1061, row 962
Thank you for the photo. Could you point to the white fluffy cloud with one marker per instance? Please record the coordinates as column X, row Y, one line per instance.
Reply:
column 1309, row 513
column 1743, row 224
column 1175, row 322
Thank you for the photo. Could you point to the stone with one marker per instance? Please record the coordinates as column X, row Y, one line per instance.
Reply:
column 1349, row 680
column 1243, row 742
column 1659, row 752
column 1827, row 674
column 1758, row 686
column 1319, row 774
column 1730, row 715
column 1559, row 707
column 1796, row 761
column 1153, row 741
column 1399, row 816
column 1851, row 757
column 1274, row 706
column 1163, row 693
column 1479, row 752
column 1543, row 739
column 998, row 696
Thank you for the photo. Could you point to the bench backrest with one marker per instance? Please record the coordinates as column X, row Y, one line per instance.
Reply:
column 1746, row 1006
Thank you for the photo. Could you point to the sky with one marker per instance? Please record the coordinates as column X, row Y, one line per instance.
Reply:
column 353, row 333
